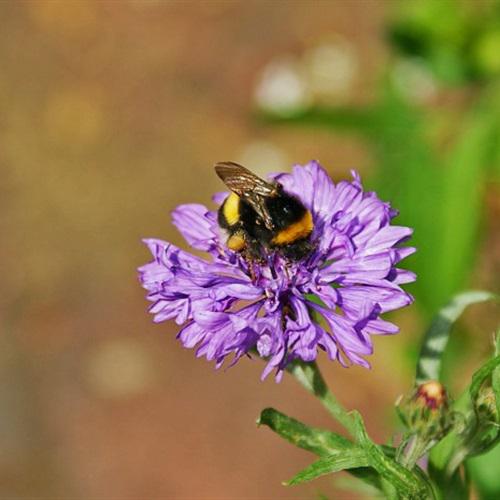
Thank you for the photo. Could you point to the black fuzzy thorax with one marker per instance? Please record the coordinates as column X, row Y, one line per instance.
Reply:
column 284, row 210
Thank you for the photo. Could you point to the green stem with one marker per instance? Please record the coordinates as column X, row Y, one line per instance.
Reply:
column 309, row 375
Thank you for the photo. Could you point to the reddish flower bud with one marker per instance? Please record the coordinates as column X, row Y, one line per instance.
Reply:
column 426, row 410
column 432, row 394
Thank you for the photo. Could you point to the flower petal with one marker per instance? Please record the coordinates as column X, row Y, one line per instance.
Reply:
column 344, row 333
column 385, row 238
column 359, row 268
column 198, row 225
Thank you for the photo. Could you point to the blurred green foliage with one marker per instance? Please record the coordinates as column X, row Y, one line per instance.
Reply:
column 460, row 41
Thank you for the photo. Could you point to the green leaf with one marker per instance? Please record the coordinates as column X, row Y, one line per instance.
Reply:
column 366, row 460
column 318, row 441
column 481, row 375
column 355, row 457
column 406, row 482
column 436, row 337
column 485, row 402
column 495, row 377
column 359, row 428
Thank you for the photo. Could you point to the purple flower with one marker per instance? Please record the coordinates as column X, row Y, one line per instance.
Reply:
column 331, row 300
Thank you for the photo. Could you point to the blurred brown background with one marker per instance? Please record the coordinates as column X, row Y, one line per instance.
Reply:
column 112, row 113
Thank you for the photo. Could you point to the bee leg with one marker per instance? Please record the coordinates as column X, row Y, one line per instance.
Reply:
column 287, row 268
column 270, row 264
column 250, row 261
column 273, row 273
column 251, row 270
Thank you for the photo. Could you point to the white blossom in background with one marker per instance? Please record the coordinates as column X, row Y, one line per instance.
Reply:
column 331, row 69
column 282, row 87
column 414, row 81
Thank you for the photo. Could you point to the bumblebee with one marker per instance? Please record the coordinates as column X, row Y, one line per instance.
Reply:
column 260, row 217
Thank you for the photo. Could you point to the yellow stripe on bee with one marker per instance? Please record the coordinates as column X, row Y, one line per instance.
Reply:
column 231, row 209
column 236, row 242
column 296, row 231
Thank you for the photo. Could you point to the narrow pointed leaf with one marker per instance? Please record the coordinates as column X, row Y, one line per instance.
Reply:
column 354, row 458
column 436, row 337
column 318, row 441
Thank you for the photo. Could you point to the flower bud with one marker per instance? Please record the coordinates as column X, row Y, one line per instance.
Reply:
column 432, row 395
column 425, row 411
column 485, row 405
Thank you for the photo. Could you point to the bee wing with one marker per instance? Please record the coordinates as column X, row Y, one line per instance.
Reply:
column 249, row 187
column 241, row 181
